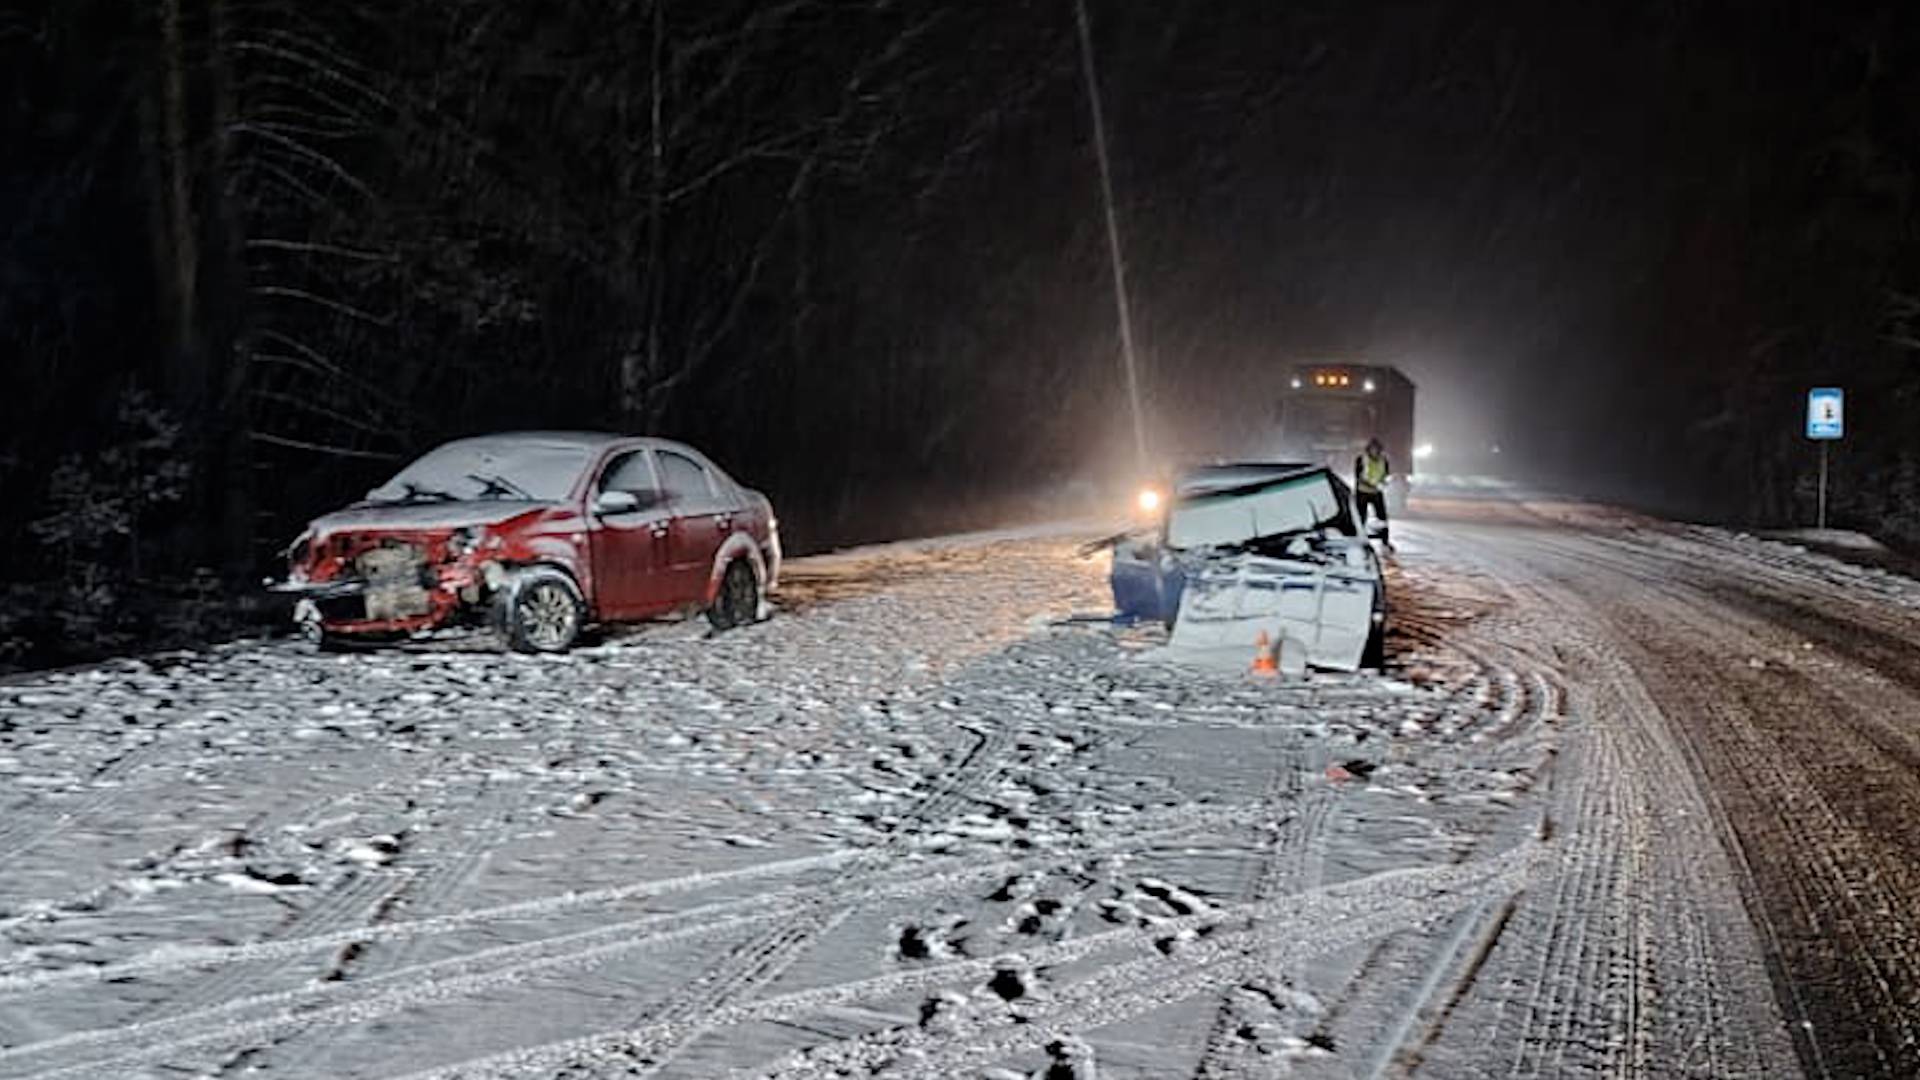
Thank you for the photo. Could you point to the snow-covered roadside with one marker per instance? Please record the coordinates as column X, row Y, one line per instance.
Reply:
column 257, row 751
column 911, row 824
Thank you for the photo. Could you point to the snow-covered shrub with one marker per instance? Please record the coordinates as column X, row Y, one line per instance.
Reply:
column 96, row 502
column 96, row 505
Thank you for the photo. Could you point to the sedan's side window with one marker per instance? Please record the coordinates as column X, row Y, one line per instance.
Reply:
column 631, row 473
column 686, row 482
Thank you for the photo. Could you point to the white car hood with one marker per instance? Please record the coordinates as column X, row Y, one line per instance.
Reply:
column 1276, row 508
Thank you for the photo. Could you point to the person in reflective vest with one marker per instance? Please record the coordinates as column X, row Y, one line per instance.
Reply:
column 1370, row 472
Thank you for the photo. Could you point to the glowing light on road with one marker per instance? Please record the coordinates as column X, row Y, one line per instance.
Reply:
column 1423, row 451
column 1149, row 500
column 1367, row 386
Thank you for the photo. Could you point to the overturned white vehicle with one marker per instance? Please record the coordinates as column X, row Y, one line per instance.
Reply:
column 1252, row 550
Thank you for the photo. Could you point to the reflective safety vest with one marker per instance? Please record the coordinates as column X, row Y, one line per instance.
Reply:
column 1373, row 472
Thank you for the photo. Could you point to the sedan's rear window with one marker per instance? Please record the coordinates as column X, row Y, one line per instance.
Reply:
column 483, row 469
column 684, row 478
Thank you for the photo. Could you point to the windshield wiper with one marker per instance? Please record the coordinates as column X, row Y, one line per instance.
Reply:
column 495, row 486
column 411, row 492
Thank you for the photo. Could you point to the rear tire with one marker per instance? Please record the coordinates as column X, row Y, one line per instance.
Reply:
column 739, row 600
column 539, row 611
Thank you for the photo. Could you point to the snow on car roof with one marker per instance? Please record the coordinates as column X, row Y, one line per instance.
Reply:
column 591, row 440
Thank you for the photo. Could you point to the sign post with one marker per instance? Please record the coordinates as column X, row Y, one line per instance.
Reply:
column 1826, row 422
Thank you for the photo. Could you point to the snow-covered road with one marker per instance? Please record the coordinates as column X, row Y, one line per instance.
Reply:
column 1632, row 800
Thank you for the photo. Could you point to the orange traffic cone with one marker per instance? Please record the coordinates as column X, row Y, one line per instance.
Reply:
column 1263, row 661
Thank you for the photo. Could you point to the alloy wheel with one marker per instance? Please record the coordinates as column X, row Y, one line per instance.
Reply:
column 548, row 616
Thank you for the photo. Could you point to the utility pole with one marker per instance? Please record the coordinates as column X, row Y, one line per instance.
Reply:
column 1128, row 361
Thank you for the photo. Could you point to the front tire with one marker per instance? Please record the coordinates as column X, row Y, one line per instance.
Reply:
column 540, row 611
column 739, row 600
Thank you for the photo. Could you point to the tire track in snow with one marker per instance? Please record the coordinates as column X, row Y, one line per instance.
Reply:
column 1114, row 995
column 172, row 958
column 291, row 814
column 1516, row 711
column 1855, row 880
column 1590, row 981
column 1571, row 974
column 1881, row 681
column 764, row 959
column 1650, row 718
column 426, row 891
column 1398, row 997
column 345, row 905
column 1302, row 925
column 1705, row 1001
column 369, row 895
column 106, row 687
column 1289, row 862
column 1840, row 886
column 23, row 833
column 1406, row 1056
column 364, row 891
column 346, row 1003
column 1375, row 904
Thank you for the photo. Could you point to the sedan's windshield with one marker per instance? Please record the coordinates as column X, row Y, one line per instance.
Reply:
column 483, row 469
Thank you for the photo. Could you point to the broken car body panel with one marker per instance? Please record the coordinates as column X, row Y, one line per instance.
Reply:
column 431, row 547
column 1325, row 604
column 1249, row 549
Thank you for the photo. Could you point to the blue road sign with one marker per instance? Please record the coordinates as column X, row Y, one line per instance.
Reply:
column 1826, row 413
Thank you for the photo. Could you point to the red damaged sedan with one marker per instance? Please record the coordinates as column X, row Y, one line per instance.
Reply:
column 537, row 534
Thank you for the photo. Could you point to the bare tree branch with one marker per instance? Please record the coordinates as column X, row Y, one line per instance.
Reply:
column 312, row 248
column 320, row 448
column 336, row 306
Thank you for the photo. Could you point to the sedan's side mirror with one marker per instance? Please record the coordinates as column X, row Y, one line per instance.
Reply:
column 610, row 503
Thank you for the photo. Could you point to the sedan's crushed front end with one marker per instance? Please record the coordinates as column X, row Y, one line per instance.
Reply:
column 377, row 583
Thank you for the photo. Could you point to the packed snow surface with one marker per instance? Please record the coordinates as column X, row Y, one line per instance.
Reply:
column 925, row 822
